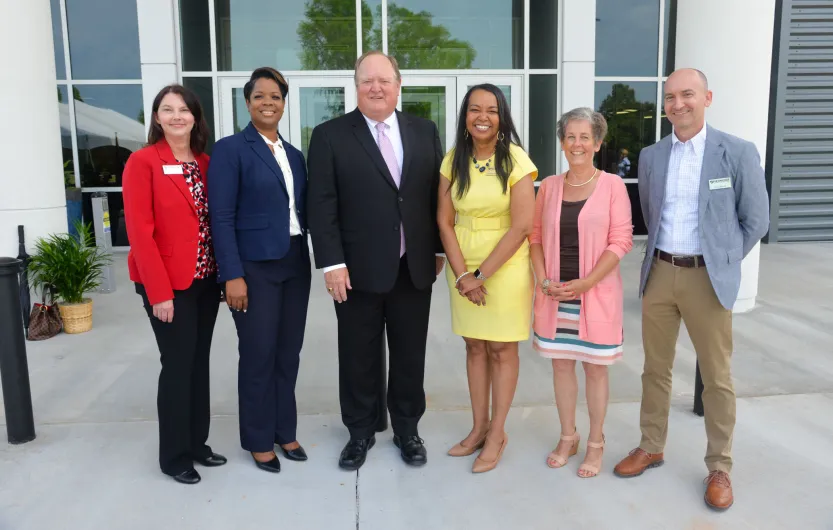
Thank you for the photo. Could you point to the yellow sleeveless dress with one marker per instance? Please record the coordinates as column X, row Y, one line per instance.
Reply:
column 483, row 217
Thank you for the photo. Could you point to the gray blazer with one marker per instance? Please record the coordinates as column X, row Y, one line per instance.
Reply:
column 732, row 219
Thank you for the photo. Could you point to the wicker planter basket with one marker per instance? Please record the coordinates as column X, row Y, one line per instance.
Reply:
column 78, row 318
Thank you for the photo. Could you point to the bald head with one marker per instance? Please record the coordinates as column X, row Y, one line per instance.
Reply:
column 689, row 73
column 685, row 100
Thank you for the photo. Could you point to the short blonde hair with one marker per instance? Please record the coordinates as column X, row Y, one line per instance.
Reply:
column 367, row 54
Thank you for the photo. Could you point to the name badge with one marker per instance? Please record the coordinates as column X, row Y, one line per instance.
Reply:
column 720, row 184
column 172, row 169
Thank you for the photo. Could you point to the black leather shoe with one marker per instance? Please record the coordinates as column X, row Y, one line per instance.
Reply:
column 189, row 476
column 298, row 454
column 272, row 466
column 412, row 449
column 355, row 453
column 212, row 461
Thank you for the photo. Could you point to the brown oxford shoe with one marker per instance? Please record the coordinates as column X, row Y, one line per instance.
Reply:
column 719, row 491
column 637, row 462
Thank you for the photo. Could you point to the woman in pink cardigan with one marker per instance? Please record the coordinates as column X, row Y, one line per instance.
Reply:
column 582, row 228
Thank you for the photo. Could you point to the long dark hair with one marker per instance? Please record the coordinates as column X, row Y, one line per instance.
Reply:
column 199, row 134
column 464, row 145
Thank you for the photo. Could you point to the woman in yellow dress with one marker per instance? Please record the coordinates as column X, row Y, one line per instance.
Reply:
column 485, row 211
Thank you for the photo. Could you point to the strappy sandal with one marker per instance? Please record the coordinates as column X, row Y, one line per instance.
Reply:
column 591, row 470
column 554, row 460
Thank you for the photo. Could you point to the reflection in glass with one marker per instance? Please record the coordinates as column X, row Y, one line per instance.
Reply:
column 627, row 35
column 115, row 205
column 630, row 110
column 438, row 34
column 372, row 25
column 66, row 136
column 202, row 87
column 542, row 142
column 427, row 102
column 109, row 124
column 669, row 39
column 104, row 39
column 543, row 32
column 665, row 127
column 288, row 35
column 196, row 38
column 317, row 106
column 58, row 39
column 240, row 113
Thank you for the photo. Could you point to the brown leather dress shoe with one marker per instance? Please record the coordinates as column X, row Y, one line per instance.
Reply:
column 637, row 462
column 719, row 491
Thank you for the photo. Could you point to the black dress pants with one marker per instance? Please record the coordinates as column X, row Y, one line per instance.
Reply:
column 362, row 322
column 270, row 336
column 183, row 396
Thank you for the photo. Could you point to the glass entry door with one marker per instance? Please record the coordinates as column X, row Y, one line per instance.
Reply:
column 438, row 98
column 311, row 100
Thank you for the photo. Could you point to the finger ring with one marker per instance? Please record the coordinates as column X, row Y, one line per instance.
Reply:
column 330, row 289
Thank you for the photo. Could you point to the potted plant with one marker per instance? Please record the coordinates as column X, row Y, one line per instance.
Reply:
column 67, row 266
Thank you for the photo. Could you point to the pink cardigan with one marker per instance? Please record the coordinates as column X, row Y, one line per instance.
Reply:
column 603, row 224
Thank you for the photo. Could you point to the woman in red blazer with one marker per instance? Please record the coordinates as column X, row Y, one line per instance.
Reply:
column 172, row 262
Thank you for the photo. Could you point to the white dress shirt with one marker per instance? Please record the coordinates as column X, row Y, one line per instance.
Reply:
column 679, row 221
column 286, row 169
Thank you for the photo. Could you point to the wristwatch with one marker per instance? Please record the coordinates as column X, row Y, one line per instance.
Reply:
column 479, row 275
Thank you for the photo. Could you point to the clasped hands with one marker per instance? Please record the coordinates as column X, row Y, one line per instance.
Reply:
column 562, row 292
column 473, row 289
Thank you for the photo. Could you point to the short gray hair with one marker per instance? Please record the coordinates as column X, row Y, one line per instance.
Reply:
column 598, row 123
column 367, row 54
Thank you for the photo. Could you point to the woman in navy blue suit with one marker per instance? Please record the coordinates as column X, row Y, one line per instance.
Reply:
column 256, row 199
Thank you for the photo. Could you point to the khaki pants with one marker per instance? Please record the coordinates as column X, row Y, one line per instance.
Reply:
column 670, row 294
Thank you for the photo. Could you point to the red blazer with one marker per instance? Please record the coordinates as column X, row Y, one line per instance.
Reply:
column 161, row 221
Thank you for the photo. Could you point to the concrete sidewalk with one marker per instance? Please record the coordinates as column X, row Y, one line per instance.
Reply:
column 93, row 464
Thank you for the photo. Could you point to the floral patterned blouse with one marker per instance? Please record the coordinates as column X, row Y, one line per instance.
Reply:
column 206, row 265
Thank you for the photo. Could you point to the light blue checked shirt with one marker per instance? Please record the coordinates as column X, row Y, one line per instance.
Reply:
column 678, row 227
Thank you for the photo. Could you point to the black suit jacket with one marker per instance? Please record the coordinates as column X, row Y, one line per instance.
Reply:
column 354, row 208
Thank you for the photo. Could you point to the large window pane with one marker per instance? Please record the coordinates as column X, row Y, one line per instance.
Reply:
column 104, row 39
column 543, row 32
column 542, row 143
column 58, row 39
column 317, row 106
column 669, row 40
column 427, row 102
column 627, row 36
column 630, row 110
column 438, row 34
column 66, row 136
column 196, row 37
column 115, row 205
column 109, row 123
column 202, row 87
column 287, row 35
column 371, row 25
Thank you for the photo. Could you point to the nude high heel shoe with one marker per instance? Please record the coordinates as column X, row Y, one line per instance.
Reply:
column 482, row 466
column 462, row 450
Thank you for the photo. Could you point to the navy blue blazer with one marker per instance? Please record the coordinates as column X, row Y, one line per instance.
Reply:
column 248, row 201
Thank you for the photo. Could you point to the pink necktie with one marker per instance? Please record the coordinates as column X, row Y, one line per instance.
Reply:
column 386, row 147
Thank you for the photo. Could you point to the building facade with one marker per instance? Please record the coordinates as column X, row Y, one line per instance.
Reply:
column 96, row 68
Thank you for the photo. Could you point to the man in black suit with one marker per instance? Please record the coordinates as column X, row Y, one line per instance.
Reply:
column 372, row 203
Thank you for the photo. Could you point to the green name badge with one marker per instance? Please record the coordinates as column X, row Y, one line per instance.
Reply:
column 720, row 184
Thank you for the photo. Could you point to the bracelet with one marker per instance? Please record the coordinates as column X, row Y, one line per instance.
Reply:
column 460, row 277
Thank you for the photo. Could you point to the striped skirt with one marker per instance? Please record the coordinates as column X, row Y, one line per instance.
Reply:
column 567, row 345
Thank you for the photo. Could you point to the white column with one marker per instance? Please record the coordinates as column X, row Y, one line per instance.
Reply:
column 31, row 173
column 157, row 49
column 578, row 57
column 732, row 44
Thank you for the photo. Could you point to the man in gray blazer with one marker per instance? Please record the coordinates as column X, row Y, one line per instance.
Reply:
column 704, row 199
